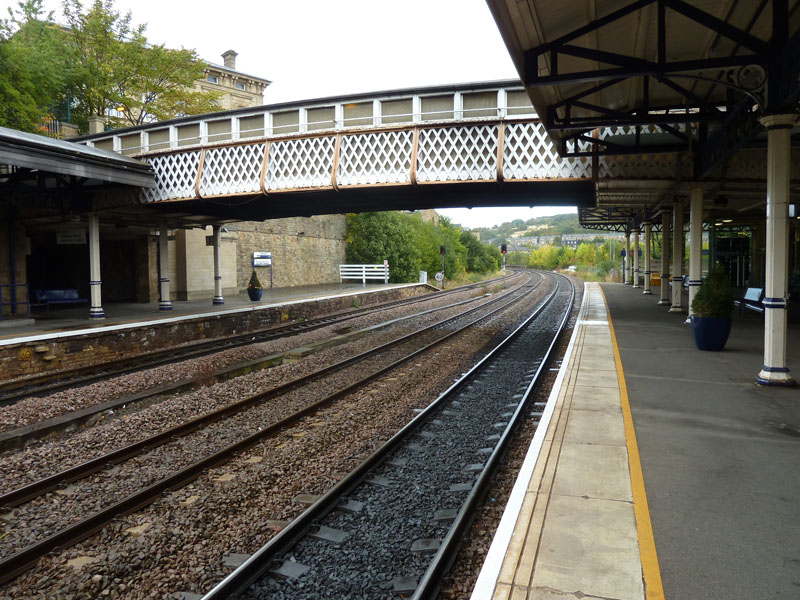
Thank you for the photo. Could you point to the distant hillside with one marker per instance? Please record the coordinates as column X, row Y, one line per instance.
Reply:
column 554, row 225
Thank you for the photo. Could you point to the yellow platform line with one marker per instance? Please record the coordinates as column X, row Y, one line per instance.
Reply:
column 651, row 572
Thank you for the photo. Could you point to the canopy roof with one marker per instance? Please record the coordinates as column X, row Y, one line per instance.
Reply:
column 674, row 75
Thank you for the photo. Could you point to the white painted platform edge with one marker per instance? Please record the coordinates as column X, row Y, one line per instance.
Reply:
column 490, row 571
column 168, row 320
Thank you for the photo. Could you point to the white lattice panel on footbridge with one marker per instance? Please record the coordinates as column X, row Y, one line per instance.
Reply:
column 528, row 153
column 636, row 166
column 300, row 164
column 176, row 175
column 444, row 153
column 232, row 170
column 458, row 153
column 375, row 158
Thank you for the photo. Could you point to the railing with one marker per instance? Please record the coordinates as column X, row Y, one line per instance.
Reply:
column 364, row 272
column 495, row 100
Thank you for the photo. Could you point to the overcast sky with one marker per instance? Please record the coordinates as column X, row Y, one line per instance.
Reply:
column 315, row 48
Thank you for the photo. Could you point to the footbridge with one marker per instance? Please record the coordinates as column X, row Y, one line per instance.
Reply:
column 473, row 145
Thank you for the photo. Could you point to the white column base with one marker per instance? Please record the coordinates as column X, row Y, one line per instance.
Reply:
column 767, row 376
column 676, row 308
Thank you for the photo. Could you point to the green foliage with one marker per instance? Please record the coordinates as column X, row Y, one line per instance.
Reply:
column 411, row 245
column 714, row 298
column 97, row 61
column 254, row 282
column 35, row 67
column 586, row 254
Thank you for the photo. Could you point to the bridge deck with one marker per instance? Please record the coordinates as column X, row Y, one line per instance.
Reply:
column 714, row 450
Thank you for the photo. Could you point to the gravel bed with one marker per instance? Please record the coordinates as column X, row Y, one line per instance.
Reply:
column 460, row 581
column 48, row 456
column 39, row 408
column 180, row 539
column 400, row 512
column 46, row 515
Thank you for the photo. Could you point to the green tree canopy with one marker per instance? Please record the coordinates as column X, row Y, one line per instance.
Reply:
column 411, row 245
column 98, row 61
column 36, row 68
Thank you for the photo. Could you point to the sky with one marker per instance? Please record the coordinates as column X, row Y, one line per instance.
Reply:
column 316, row 48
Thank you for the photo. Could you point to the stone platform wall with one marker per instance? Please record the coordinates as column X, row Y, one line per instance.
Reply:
column 26, row 360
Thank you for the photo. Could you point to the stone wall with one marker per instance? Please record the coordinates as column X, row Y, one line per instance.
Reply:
column 25, row 360
column 305, row 250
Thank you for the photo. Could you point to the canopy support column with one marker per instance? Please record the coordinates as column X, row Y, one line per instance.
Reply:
column 677, row 259
column 665, row 224
column 636, row 257
column 628, row 265
column 218, row 299
column 647, row 271
column 95, row 284
column 695, row 245
column 164, row 303
column 774, row 370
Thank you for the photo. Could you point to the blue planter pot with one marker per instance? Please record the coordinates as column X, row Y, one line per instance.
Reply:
column 711, row 333
column 254, row 293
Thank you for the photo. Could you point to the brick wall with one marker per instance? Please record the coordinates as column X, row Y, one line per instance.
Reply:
column 22, row 361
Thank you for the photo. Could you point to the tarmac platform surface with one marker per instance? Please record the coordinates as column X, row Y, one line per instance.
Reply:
column 659, row 471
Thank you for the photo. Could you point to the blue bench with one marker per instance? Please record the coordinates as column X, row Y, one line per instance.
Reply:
column 59, row 296
column 752, row 300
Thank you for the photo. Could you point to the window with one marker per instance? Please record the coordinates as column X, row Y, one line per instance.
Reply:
column 212, row 79
column 240, row 85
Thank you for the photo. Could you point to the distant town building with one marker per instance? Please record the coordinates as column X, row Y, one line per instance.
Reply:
column 239, row 90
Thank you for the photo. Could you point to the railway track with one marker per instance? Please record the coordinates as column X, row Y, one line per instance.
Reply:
column 13, row 392
column 18, row 437
column 387, row 359
column 392, row 525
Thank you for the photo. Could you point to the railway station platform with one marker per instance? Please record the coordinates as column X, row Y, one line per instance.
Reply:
column 65, row 340
column 659, row 471
column 62, row 319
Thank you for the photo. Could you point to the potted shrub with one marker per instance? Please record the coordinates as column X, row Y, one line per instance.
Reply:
column 254, row 289
column 712, row 307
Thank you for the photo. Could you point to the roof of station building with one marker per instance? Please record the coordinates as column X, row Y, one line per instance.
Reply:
column 39, row 153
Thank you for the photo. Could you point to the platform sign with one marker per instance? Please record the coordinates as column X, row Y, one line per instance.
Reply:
column 70, row 236
column 262, row 259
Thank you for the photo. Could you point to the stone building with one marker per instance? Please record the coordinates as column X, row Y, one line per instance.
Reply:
column 238, row 89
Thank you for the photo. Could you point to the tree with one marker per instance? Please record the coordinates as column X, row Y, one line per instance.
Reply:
column 586, row 255
column 35, row 67
column 378, row 236
column 98, row 62
column 120, row 71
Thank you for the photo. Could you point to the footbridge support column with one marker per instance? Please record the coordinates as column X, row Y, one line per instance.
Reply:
column 774, row 370
column 666, row 218
column 218, row 299
column 677, row 258
column 164, row 303
column 647, row 271
column 695, row 245
column 95, row 283
column 635, row 257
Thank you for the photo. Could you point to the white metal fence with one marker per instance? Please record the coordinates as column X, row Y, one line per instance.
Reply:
column 364, row 272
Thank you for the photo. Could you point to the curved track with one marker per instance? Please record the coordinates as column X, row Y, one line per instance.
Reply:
column 72, row 533
column 393, row 524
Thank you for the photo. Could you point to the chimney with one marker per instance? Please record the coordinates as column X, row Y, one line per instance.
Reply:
column 230, row 59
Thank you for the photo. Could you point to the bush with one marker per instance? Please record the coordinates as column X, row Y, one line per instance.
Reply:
column 714, row 298
column 254, row 282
